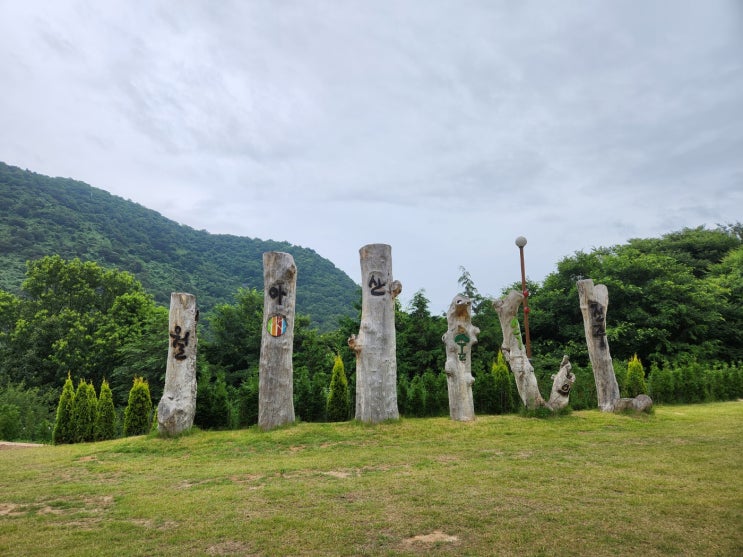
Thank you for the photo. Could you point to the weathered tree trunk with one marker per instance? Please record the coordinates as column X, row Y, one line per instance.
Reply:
column 515, row 353
column 459, row 338
column 594, row 301
column 177, row 407
column 514, row 350
column 375, row 345
column 276, row 382
column 562, row 383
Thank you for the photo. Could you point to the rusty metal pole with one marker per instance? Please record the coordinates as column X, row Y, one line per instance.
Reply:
column 521, row 242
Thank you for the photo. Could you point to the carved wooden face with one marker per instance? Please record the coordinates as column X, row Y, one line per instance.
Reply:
column 460, row 307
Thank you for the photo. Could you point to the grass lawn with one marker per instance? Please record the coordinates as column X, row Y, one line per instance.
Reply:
column 588, row 483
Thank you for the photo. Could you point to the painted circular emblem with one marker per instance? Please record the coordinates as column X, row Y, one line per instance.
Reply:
column 276, row 325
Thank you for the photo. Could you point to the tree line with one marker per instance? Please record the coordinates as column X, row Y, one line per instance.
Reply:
column 675, row 308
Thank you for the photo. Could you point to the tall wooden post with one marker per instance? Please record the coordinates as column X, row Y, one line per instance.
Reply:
column 375, row 345
column 177, row 407
column 276, row 382
column 459, row 338
column 594, row 301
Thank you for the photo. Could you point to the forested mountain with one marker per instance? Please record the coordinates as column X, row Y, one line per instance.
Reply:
column 44, row 216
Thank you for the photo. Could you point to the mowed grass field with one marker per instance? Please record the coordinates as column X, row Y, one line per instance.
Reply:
column 588, row 483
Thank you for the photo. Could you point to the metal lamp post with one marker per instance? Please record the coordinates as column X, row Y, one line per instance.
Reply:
column 521, row 242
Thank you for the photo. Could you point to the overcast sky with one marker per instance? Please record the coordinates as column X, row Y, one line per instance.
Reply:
column 443, row 128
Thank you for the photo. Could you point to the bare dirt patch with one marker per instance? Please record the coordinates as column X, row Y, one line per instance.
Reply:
column 5, row 445
column 437, row 536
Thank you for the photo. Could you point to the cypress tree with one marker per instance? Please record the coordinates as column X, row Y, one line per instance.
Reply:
column 503, row 386
column 635, row 384
column 92, row 412
column 339, row 398
column 83, row 415
column 138, row 409
column 105, row 419
column 63, row 432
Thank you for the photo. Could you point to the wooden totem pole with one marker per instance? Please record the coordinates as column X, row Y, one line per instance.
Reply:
column 177, row 407
column 276, row 381
column 375, row 345
column 459, row 338
column 594, row 301
column 515, row 353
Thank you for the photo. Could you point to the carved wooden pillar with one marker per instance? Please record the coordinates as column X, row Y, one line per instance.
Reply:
column 177, row 407
column 375, row 345
column 276, row 382
column 594, row 301
column 459, row 338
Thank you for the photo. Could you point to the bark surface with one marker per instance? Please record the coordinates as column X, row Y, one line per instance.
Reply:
column 177, row 407
column 458, row 339
column 276, row 381
column 375, row 345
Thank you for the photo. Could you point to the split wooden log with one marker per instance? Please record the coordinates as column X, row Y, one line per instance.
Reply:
column 458, row 339
column 594, row 301
column 515, row 353
column 375, row 345
column 275, row 380
column 177, row 407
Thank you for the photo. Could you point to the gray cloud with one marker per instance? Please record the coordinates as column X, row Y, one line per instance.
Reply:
column 443, row 128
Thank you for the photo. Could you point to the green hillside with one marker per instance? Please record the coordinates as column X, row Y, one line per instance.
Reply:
column 43, row 216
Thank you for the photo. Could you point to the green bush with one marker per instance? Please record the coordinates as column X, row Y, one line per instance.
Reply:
column 339, row 398
column 635, row 381
column 416, row 398
column 483, row 393
column 661, row 384
column 63, row 425
column 105, row 419
column 138, row 411
column 10, row 422
column 26, row 413
column 248, row 401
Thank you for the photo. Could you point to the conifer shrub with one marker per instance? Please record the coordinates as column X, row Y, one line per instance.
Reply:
column 63, row 424
column 138, row 409
column 83, row 414
column 339, row 398
column 635, row 381
column 504, row 386
column 84, row 411
column 92, row 411
column 105, row 419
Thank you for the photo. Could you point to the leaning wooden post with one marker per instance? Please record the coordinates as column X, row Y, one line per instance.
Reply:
column 276, row 382
column 594, row 301
column 177, row 407
column 459, row 338
column 514, row 351
column 375, row 345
